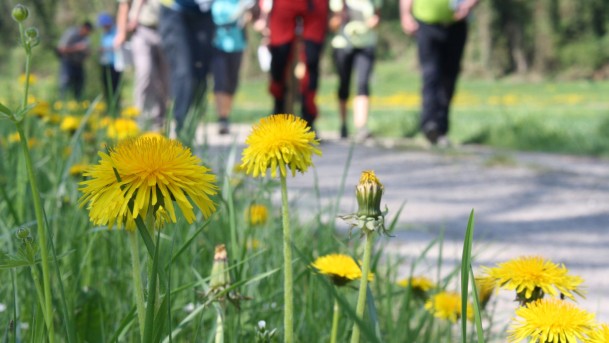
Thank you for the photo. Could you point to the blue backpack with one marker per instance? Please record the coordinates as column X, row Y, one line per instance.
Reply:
column 230, row 36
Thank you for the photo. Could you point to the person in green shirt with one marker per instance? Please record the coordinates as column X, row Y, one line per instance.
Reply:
column 440, row 27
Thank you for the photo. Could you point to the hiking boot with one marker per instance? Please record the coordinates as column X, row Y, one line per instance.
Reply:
column 224, row 127
column 343, row 131
column 431, row 132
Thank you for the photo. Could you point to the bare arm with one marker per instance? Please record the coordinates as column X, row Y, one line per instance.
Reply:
column 465, row 8
column 409, row 24
column 121, row 24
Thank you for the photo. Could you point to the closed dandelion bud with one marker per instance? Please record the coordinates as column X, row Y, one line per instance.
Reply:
column 20, row 13
column 23, row 233
column 33, row 37
column 219, row 271
column 369, row 191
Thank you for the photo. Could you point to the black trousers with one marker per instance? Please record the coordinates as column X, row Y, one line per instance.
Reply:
column 359, row 60
column 440, row 50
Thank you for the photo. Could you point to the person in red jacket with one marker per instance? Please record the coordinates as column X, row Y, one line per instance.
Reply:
column 282, row 21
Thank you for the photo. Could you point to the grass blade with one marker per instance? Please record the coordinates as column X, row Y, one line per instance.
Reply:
column 465, row 268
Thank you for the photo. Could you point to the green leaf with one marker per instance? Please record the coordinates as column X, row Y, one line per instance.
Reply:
column 20, row 113
column 466, row 260
column 89, row 315
column 13, row 261
column 477, row 316
column 5, row 112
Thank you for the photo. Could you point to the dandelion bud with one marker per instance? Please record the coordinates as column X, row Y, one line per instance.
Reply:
column 20, row 13
column 32, row 36
column 23, row 233
column 369, row 192
column 219, row 271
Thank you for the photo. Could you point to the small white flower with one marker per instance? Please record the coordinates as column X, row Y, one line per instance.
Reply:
column 189, row 307
column 262, row 325
column 2, row 307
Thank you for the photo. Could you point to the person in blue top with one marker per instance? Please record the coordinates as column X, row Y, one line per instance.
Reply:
column 110, row 77
column 230, row 17
column 187, row 29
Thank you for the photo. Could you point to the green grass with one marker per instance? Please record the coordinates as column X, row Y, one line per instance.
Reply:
column 554, row 116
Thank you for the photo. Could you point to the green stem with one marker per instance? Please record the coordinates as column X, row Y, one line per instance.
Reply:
column 219, row 327
column 42, row 234
column 136, row 270
column 335, row 318
column 361, row 299
column 39, row 292
column 288, row 311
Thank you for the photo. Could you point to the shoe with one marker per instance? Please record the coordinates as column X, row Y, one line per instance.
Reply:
column 431, row 132
column 224, row 126
column 444, row 142
column 343, row 131
column 362, row 135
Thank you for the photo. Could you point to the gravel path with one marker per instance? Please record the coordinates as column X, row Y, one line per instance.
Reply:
column 551, row 205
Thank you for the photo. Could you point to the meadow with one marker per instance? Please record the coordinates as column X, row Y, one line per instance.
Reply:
column 79, row 264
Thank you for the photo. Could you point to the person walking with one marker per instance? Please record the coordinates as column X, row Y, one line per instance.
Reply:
column 73, row 49
column 151, row 85
column 230, row 16
column 284, row 19
column 354, row 43
column 110, row 77
column 187, row 30
column 440, row 27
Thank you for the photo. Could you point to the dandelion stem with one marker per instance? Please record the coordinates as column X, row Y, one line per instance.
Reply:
column 335, row 318
column 288, row 312
column 219, row 327
column 363, row 285
column 137, row 280
column 42, row 233
column 39, row 291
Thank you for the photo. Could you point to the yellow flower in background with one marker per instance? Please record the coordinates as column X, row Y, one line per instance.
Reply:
column 42, row 109
column 14, row 138
column 153, row 173
column 340, row 268
column 551, row 320
column 532, row 277
column 485, row 287
column 279, row 141
column 100, row 107
column 85, row 104
column 257, row 214
column 130, row 112
column 69, row 124
column 447, row 305
column 600, row 334
column 78, row 169
column 33, row 79
column 73, row 106
column 418, row 284
column 123, row 128
column 58, row 105
column 253, row 244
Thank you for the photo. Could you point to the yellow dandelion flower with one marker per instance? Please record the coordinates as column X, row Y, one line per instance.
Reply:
column 532, row 277
column 58, row 105
column 153, row 173
column 69, row 124
column 253, row 244
column 14, row 138
column 417, row 283
column 340, row 268
column 152, row 134
column 130, row 112
column 33, row 79
column 73, row 106
column 551, row 320
column 447, row 305
column 257, row 214
column 485, row 287
column 100, row 107
column 600, row 334
column 78, row 169
column 123, row 128
column 42, row 109
column 280, row 140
